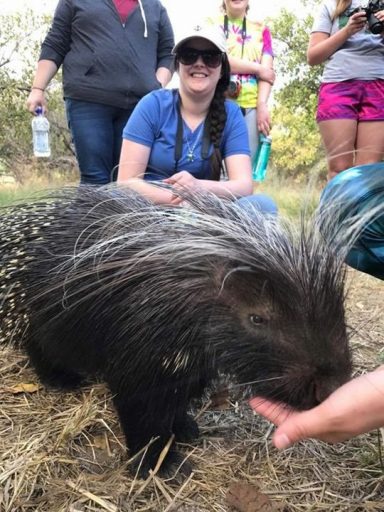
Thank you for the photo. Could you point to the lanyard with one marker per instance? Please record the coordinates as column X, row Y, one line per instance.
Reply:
column 179, row 136
column 243, row 32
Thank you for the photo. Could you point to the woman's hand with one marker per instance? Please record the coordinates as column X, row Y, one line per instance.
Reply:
column 356, row 23
column 182, row 180
column 355, row 408
column 263, row 119
column 380, row 16
column 36, row 99
column 266, row 74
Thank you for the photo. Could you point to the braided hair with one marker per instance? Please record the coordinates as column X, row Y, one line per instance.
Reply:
column 217, row 116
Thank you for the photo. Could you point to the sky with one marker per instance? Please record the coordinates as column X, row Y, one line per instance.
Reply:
column 182, row 12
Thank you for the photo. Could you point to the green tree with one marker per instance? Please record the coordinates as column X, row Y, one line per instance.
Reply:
column 20, row 40
column 296, row 147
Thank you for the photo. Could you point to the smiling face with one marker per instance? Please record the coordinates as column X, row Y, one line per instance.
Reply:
column 199, row 78
column 236, row 8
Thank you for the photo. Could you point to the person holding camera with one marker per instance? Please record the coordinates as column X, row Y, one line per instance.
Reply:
column 348, row 39
column 179, row 139
column 249, row 48
column 112, row 53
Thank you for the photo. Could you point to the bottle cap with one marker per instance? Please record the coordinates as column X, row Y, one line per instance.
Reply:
column 265, row 138
column 39, row 111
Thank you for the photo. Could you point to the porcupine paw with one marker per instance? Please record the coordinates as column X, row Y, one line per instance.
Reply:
column 51, row 372
column 185, row 429
column 56, row 377
column 173, row 467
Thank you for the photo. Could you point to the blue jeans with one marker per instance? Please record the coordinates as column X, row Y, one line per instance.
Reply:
column 250, row 117
column 260, row 202
column 97, row 135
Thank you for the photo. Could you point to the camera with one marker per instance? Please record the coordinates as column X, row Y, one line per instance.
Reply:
column 374, row 25
column 234, row 89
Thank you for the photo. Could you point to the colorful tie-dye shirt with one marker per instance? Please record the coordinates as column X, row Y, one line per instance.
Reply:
column 257, row 42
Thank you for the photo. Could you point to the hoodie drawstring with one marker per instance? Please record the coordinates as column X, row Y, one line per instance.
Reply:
column 144, row 18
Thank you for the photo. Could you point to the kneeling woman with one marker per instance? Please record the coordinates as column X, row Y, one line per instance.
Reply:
column 355, row 193
column 182, row 137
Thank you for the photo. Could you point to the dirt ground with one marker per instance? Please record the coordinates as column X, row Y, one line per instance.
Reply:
column 64, row 452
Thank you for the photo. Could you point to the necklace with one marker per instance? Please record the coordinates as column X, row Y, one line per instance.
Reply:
column 192, row 147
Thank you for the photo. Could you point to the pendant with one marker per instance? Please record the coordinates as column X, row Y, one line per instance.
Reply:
column 190, row 156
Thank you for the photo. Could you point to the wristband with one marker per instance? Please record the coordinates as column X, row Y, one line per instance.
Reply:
column 38, row 88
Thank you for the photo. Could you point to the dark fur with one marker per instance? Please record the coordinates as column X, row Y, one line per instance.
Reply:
column 156, row 301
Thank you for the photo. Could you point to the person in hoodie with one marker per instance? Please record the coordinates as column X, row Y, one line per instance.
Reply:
column 113, row 53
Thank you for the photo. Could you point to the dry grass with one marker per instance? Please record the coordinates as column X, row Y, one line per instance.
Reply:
column 65, row 451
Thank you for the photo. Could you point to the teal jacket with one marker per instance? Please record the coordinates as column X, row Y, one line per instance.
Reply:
column 353, row 193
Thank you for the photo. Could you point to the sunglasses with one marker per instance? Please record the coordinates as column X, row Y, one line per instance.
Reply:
column 211, row 58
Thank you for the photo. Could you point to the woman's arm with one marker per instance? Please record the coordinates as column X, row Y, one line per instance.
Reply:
column 133, row 163
column 239, row 181
column 264, row 90
column 46, row 70
column 163, row 75
column 355, row 408
column 322, row 45
column 54, row 48
column 247, row 67
column 166, row 42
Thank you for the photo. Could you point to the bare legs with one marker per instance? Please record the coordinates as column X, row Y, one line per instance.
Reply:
column 348, row 143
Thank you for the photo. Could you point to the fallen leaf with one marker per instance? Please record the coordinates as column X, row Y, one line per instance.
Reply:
column 100, row 442
column 248, row 498
column 24, row 388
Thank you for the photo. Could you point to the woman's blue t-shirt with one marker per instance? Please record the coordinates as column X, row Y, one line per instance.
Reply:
column 153, row 123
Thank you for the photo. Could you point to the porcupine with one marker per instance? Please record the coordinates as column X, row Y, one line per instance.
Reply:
column 158, row 300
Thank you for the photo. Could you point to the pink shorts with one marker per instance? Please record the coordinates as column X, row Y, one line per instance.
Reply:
column 361, row 100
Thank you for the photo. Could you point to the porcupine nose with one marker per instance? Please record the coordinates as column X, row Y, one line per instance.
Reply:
column 325, row 388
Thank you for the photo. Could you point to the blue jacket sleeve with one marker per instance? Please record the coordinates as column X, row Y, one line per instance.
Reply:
column 166, row 41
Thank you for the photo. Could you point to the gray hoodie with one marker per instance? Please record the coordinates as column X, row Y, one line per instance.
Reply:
column 105, row 61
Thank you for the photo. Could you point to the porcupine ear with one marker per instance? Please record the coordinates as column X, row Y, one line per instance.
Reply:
column 241, row 285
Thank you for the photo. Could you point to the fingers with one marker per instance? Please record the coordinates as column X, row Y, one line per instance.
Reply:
column 357, row 22
column 263, row 120
column 264, row 128
column 36, row 99
column 354, row 408
column 176, row 200
column 275, row 412
column 295, row 426
column 293, row 430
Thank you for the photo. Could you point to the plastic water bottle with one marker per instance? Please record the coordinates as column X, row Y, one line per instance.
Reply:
column 260, row 162
column 40, row 134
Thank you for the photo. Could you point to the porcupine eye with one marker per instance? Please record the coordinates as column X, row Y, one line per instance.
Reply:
column 256, row 320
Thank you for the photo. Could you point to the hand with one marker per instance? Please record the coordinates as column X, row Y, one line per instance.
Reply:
column 182, row 180
column 380, row 16
column 263, row 119
column 356, row 23
column 36, row 99
column 266, row 74
column 355, row 408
